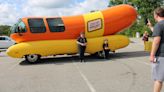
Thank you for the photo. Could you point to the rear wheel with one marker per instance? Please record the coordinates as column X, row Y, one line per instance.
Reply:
column 99, row 54
column 32, row 58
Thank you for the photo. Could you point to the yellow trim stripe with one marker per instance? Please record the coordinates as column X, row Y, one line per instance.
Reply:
column 94, row 24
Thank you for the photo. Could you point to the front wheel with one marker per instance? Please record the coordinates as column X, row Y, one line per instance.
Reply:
column 32, row 58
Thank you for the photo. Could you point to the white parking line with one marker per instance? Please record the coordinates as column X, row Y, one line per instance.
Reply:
column 92, row 89
column 13, row 66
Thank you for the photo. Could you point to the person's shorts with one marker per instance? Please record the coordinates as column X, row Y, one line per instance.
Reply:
column 158, row 69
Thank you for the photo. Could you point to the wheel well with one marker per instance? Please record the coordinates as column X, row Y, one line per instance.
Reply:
column 32, row 54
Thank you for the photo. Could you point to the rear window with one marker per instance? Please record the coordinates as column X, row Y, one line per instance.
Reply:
column 56, row 24
column 37, row 25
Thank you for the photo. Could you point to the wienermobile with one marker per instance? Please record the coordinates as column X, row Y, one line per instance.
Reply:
column 44, row 36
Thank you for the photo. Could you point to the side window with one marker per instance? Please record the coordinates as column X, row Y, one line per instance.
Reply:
column 37, row 25
column 21, row 27
column 56, row 24
column 2, row 38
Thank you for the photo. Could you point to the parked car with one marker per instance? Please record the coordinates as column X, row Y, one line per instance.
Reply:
column 5, row 42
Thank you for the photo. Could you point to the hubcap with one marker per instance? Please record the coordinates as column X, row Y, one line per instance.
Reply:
column 32, row 58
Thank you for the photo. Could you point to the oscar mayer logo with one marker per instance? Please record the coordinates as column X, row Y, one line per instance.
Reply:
column 94, row 25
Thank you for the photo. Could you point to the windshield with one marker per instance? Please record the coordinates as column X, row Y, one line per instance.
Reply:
column 19, row 27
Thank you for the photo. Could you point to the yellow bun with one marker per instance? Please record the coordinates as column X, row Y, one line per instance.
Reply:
column 53, row 47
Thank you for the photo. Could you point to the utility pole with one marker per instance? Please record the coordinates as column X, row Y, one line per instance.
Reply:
column 124, row 1
column 109, row 4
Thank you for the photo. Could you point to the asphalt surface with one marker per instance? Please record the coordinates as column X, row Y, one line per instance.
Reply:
column 127, row 70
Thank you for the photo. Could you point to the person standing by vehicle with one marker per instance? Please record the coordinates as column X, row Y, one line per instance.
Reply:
column 145, row 38
column 82, row 42
column 157, row 52
column 106, row 48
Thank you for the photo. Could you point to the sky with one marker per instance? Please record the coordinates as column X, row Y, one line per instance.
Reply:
column 12, row 10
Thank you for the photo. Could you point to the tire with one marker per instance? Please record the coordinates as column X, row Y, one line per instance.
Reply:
column 99, row 54
column 32, row 58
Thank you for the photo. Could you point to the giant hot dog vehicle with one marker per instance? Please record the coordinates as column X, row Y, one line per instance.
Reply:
column 45, row 36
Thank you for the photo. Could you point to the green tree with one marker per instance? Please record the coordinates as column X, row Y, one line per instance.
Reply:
column 4, row 30
column 145, row 10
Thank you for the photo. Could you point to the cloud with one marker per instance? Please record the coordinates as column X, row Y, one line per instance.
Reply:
column 12, row 10
column 49, row 3
column 8, row 14
column 58, row 8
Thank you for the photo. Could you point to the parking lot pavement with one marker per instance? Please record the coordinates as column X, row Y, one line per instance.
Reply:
column 127, row 70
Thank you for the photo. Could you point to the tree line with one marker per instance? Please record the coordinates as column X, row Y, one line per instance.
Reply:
column 145, row 9
column 5, row 30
